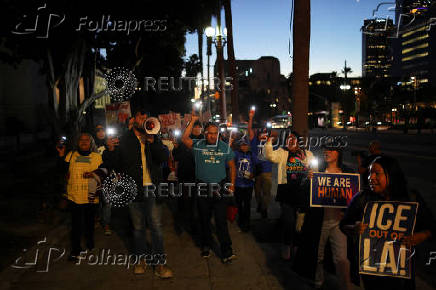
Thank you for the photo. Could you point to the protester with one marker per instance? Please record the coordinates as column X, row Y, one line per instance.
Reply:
column 211, row 156
column 140, row 156
column 320, row 226
column 374, row 151
column 263, row 173
column 388, row 183
column 78, row 165
column 187, row 213
column 293, row 166
column 104, row 207
column 245, row 161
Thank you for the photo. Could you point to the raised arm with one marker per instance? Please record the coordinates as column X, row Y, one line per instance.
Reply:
column 250, row 125
column 270, row 154
column 185, row 138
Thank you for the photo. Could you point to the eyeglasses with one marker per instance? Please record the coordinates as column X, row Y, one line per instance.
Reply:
column 99, row 129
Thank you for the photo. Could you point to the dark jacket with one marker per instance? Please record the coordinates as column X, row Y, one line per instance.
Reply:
column 354, row 213
column 307, row 254
column 126, row 158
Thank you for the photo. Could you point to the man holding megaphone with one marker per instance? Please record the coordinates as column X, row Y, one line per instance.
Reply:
column 140, row 154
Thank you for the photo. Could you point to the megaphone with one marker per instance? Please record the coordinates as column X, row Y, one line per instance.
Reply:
column 152, row 126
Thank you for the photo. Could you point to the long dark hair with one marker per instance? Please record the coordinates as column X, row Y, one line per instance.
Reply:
column 339, row 161
column 397, row 183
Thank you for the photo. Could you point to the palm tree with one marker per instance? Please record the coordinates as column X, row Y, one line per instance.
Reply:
column 301, row 47
column 346, row 71
column 231, row 60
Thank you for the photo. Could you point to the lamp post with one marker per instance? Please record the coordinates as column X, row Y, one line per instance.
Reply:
column 218, row 37
column 209, row 53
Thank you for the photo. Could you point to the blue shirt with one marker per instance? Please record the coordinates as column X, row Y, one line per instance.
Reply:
column 211, row 160
column 264, row 165
column 245, row 162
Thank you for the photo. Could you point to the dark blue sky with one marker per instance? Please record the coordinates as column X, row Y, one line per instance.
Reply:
column 261, row 27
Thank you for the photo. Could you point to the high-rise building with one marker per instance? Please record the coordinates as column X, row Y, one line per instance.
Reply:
column 376, row 48
column 415, row 46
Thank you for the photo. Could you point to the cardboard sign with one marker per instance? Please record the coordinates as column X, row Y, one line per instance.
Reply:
column 170, row 120
column 381, row 250
column 117, row 113
column 333, row 189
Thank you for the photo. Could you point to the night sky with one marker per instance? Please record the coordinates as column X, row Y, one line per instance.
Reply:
column 261, row 27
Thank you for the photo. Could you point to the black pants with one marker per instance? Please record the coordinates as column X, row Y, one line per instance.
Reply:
column 243, row 200
column 217, row 206
column 82, row 221
column 187, row 213
column 288, row 216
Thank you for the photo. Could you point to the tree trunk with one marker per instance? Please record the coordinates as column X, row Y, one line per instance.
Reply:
column 231, row 60
column 301, row 47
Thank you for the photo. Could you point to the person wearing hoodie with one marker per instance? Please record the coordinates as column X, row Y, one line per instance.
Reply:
column 105, row 208
column 245, row 160
column 292, row 191
column 78, row 166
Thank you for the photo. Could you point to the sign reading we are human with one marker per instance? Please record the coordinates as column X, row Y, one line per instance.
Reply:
column 381, row 250
column 333, row 190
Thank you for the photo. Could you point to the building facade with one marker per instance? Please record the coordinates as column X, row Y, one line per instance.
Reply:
column 376, row 48
column 260, row 84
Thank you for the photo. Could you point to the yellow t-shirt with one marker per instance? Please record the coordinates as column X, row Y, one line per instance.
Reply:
column 77, row 186
column 146, row 179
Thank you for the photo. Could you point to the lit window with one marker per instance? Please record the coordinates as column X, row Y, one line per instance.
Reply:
column 414, row 56
column 404, row 51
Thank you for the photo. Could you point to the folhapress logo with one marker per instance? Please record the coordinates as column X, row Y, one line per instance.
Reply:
column 39, row 24
column 44, row 255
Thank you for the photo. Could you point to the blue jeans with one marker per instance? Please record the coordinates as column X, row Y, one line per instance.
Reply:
column 105, row 211
column 146, row 215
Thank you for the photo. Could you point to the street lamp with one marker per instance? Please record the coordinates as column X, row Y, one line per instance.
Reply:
column 218, row 37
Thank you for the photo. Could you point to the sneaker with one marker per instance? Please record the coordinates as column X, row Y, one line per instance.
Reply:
column 139, row 268
column 163, row 271
column 228, row 259
column 107, row 230
column 205, row 253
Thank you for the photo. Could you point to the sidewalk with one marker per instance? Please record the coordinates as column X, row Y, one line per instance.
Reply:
column 249, row 271
column 258, row 265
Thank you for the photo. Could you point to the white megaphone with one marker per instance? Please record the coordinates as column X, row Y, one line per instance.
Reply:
column 152, row 126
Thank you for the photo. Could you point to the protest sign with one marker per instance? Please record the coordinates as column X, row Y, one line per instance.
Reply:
column 381, row 248
column 333, row 189
column 170, row 120
column 118, row 113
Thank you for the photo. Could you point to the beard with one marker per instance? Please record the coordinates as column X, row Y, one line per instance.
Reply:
column 139, row 128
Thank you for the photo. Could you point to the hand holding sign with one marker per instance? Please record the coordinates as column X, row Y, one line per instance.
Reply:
column 382, row 250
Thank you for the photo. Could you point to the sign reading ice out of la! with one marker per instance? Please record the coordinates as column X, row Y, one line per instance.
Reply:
column 382, row 251
column 333, row 190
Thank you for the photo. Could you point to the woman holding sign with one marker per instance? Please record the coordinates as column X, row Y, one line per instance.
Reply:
column 321, row 224
column 293, row 166
column 388, row 188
